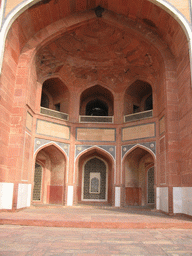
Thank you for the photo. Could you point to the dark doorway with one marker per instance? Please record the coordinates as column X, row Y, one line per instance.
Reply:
column 96, row 108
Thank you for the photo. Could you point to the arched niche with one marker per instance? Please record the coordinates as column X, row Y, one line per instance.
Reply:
column 94, row 164
column 139, row 181
column 96, row 100
column 138, row 98
column 55, row 95
column 49, row 173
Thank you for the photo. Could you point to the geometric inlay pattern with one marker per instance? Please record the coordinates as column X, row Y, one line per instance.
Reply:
column 150, row 188
column 98, row 188
column 37, row 182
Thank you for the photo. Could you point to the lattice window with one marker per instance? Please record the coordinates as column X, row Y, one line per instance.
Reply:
column 37, row 182
column 151, row 196
column 94, row 183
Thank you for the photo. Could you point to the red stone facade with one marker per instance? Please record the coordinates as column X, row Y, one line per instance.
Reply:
column 127, row 62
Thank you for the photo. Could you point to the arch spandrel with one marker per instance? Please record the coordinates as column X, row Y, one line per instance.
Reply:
column 147, row 146
column 110, row 151
column 42, row 143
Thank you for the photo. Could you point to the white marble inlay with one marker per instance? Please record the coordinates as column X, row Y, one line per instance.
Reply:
column 70, row 196
column 6, row 195
column 117, row 196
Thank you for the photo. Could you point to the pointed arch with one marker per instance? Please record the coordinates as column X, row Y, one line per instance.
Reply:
column 86, row 155
column 86, row 170
column 54, row 170
column 52, row 143
column 95, row 147
column 135, row 164
column 142, row 147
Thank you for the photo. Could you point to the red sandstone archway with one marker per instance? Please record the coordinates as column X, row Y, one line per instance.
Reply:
column 106, row 160
column 52, row 163
column 159, row 51
column 139, row 177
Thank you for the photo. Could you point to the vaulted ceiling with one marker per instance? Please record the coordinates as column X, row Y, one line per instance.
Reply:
column 99, row 51
column 139, row 12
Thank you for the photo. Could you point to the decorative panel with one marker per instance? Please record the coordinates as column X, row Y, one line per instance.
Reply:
column 52, row 129
column 138, row 132
column 89, row 134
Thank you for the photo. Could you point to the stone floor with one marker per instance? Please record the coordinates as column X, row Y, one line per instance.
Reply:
column 94, row 217
column 37, row 241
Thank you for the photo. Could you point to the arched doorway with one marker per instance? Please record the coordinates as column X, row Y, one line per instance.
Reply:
column 95, row 178
column 96, row 108
column 49, row 176
column 139, row 178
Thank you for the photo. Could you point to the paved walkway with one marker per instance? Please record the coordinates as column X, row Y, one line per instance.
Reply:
column 39, row 241
column 94, row 217
column 88, row 230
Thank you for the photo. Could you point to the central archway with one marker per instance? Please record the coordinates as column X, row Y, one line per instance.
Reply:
column 95, row 177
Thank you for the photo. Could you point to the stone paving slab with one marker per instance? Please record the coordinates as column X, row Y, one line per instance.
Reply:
column 52, row 241
column 94, row 217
